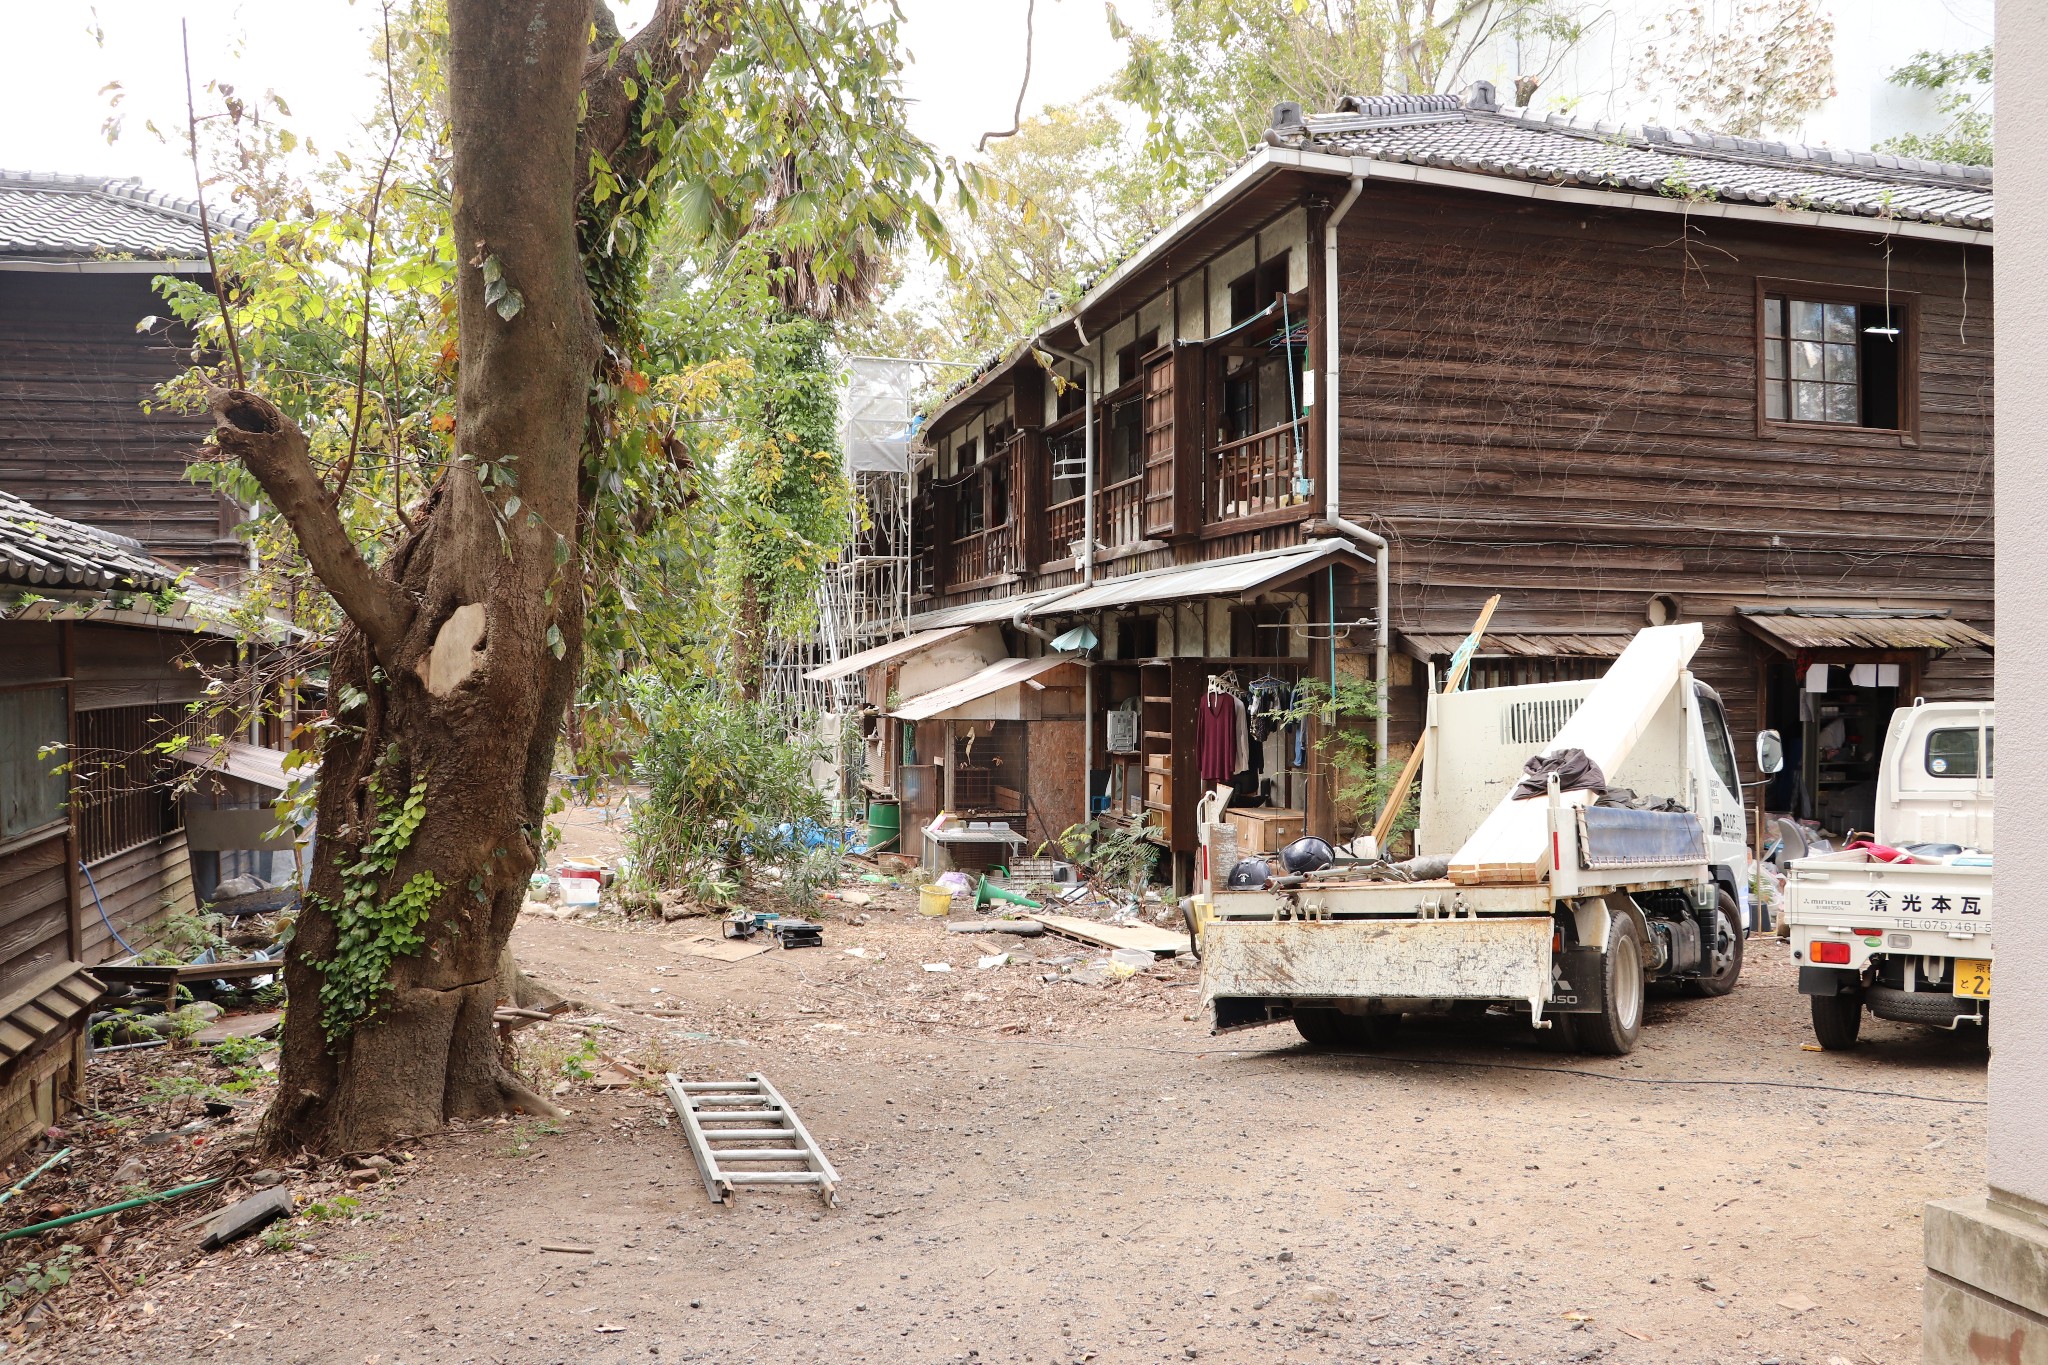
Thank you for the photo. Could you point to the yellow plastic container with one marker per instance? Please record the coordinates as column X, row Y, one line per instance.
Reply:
column 934, row 900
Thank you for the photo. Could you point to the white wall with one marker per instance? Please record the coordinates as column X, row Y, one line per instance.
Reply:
column 2019, row 1031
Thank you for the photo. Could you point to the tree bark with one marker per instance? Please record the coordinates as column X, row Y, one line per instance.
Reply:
column 451, row 641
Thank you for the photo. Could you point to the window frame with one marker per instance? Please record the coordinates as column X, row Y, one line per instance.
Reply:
column 1980, row 749
column 1906, row 305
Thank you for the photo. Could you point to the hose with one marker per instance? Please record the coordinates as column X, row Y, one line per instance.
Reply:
column 128, row 947
column 33, row 1228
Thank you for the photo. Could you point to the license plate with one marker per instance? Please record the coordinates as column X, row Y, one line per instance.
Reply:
column 1973, row 978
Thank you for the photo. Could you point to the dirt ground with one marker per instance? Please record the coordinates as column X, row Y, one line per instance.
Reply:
column 1040, row 1170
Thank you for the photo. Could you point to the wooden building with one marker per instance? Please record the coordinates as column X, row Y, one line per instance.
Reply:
column 78, row 257
column 1422, row 350
column 96, row 655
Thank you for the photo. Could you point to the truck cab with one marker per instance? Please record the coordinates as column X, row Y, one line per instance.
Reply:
column 1901, row 927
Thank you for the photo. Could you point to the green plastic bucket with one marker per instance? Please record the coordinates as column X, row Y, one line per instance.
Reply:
column 885, row 827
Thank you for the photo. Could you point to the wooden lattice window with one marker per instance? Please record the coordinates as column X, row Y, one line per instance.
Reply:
column 122, row 795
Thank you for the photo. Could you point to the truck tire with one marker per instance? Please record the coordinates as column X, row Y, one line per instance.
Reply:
column 1724, row 955
column 1614, row 1030
column 1336, row 1030
column 1837, row 1019
column 1916, row 1007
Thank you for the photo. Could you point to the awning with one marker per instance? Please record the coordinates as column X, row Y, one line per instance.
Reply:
column 1513, row 645
column 1237, row 576
column 881, row 654
column 983, row 612
column 994, row 678
column 54, row 1001
column 1792, row 629
column 249, row 762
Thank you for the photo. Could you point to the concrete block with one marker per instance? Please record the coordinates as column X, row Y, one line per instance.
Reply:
column 1986, row 1295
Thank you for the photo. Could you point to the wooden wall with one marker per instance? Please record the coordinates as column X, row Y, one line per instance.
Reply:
column 74, row 439
column 1560, row 404
column 140, row 887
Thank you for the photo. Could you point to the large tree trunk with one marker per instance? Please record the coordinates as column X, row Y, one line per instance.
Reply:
column 466, row 689
column 463, row 648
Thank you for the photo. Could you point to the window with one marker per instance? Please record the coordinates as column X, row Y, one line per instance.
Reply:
column 31, row 794
column 1953, row 753
column 1720, row 749
column 1256, row 288
column 1832, row 363
column 123, row 799
column 1069, row 393
column 1127, row 359
column 1125, row 447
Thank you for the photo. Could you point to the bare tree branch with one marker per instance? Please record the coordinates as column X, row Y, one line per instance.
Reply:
column 220, row 294
column 1017, row 115
column 252, row 429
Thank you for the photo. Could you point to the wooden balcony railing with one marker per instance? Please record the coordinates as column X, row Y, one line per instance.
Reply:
column 985, row 554
column 1255, row 474
column 1119, row 515
column 1064, row 524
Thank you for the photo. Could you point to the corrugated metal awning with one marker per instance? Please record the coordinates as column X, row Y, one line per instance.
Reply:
column 1513, row 645
column 983, row 612
column 1792, row 628
column 250, row 762
column 994, row 678
column 881, row 654
column 1219, row 578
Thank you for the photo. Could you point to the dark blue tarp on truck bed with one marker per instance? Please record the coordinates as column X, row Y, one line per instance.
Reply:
column 1615, row 836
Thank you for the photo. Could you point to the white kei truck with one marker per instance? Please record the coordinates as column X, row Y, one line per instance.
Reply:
column 1552, row 903
column 1908, row 940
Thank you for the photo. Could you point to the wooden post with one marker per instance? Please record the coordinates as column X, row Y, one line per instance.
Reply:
column 1399, row 795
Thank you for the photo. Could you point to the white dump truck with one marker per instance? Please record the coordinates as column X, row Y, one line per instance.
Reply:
column 1552, row 903
column 1904, row 929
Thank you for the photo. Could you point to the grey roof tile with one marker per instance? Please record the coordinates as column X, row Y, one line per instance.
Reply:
column 38, row 550
column 1436, row 130
column 51, row 217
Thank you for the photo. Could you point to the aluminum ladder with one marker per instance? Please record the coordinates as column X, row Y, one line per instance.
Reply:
column 750, row 1113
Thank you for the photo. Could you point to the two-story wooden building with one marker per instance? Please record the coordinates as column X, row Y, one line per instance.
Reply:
column 1422, row 350
column 79, row 256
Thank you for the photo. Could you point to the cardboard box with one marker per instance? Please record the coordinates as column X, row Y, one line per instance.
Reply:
column 1265, row 831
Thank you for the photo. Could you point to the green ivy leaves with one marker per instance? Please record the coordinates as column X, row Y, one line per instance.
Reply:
column 371, row 929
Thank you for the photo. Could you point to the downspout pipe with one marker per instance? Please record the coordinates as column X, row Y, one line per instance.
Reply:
column 1332, row 506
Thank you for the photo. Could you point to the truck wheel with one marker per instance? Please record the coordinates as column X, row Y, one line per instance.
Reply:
column 1338, row 1030
column 1837, row 1019
column 1614, row 1030
column 1724, row 954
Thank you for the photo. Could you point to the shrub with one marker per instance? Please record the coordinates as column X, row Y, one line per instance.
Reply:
column 730, row 793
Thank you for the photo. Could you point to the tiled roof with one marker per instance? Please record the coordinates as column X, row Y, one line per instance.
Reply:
column 38, row 550
column 72, row 218
column 1445, row 132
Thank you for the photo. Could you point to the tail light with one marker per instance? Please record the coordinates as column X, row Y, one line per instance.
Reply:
column 1837, row 953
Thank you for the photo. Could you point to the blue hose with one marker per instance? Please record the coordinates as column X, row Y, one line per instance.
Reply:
column 103, row 911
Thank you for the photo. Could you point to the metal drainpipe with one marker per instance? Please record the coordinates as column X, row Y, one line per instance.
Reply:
column 1332, row 512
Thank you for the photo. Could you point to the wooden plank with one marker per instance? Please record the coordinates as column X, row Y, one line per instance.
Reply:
column 1158, row 942
column 1512, row 843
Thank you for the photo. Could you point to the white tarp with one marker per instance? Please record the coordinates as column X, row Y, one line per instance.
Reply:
column 880, row 413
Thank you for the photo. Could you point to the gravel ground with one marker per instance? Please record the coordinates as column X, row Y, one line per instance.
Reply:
column 1047, row 1171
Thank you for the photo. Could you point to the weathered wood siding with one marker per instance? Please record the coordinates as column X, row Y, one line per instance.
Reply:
column 139, row 888
column 1560, row 404
column 74, row 439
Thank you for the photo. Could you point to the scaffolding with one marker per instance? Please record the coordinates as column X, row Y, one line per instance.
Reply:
column 864, row 596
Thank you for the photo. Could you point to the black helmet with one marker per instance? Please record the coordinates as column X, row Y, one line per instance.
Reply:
column 1307, row 855
column 1249, row 875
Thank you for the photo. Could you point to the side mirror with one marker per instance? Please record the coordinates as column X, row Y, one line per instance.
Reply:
column 1770, row 753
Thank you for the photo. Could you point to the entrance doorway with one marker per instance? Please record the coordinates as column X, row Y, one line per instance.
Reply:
column 1832, row 714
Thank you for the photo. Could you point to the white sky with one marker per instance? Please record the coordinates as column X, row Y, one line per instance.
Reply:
column 316, row 54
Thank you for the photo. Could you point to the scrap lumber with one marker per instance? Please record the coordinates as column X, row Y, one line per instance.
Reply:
column 1399, row 796
column 1512, row 845
column 1158, row 942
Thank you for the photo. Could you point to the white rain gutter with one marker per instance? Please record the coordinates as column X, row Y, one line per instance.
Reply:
column 1332, row 511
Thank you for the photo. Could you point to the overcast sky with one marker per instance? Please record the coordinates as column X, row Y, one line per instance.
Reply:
column 316, row 54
